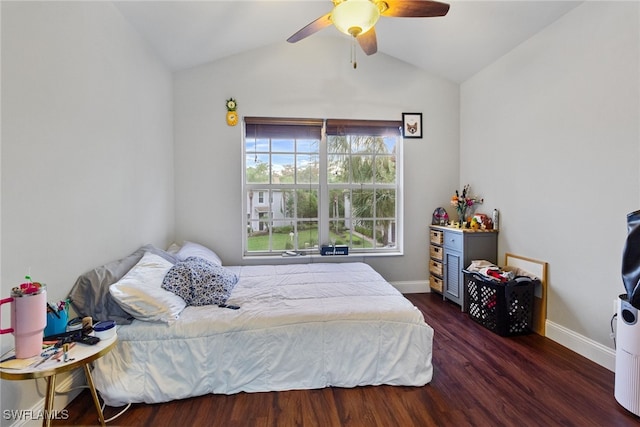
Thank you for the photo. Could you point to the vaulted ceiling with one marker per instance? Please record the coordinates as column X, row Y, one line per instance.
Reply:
column 472, row 35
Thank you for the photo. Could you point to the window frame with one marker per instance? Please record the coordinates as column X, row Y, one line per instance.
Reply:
column 328, row 128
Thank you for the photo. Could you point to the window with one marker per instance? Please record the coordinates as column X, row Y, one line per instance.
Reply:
column 362, row 180
column 309, row 182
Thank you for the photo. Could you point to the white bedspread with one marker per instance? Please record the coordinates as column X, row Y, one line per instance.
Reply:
column 300, row 326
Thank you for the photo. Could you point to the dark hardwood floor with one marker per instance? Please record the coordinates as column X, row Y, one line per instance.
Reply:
column 480, row 379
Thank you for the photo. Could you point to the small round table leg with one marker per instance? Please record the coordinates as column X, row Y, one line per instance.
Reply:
column 48, row 402
column 94, row 394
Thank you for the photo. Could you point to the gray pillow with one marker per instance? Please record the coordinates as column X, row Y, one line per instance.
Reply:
column 90, row 294
column 200, row 282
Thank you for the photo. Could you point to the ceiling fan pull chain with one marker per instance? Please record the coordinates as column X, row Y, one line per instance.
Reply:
column 353, row 53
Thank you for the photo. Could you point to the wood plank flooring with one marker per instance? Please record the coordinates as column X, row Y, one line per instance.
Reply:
column 480, row 379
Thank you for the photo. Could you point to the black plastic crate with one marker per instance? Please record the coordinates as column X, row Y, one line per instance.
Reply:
column 505, row 308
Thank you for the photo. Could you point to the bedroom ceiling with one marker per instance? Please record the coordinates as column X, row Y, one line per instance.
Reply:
column 472, row 35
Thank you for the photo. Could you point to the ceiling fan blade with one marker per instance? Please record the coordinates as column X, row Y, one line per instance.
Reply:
column 314, row 27
column 415, row 8
column 368, row 41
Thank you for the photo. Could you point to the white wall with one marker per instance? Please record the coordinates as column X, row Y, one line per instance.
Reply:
column 550, row 135
column 309, row 79
column 87, row 150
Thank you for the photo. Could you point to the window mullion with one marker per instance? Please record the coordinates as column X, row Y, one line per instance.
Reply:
column 323, row 202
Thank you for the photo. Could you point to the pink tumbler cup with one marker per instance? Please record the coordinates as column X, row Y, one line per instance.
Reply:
column 28, row 320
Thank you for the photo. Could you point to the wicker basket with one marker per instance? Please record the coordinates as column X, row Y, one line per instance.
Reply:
column 436, row 237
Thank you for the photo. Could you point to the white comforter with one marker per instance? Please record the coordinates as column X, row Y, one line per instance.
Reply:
column 300, row 326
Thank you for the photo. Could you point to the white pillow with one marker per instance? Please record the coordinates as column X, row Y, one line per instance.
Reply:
column 190, row 249
column 140, row 294
column 173, row 248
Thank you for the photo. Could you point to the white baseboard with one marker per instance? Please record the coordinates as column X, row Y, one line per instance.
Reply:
column 412, row 287
column 32, row 416
column 592, row 350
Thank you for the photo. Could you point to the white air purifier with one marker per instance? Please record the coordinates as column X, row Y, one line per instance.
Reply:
column 627, row 380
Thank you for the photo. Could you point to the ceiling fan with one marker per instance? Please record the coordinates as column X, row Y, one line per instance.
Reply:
column 358, row 17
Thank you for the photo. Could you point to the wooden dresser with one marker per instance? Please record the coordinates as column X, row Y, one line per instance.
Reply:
column 450, row 251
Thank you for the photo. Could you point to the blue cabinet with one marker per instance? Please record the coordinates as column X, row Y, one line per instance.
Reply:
column 456, row 248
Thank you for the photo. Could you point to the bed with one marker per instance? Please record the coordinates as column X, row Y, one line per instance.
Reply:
column 299, row 326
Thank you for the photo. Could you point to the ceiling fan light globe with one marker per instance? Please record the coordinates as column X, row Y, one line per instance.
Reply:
column 355, row 17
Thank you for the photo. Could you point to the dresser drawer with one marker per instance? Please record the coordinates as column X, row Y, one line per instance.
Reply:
column 435, row 283
column 435, row 267
column 453, row 240
column 435, row 252
column 435, row 237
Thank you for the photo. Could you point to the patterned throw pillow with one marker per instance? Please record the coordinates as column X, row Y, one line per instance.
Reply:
column 200, row 282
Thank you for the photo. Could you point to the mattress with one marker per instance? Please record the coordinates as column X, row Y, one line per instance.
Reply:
column 299, row 326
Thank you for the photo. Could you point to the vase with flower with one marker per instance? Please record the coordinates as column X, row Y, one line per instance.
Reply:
column 462, row 201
